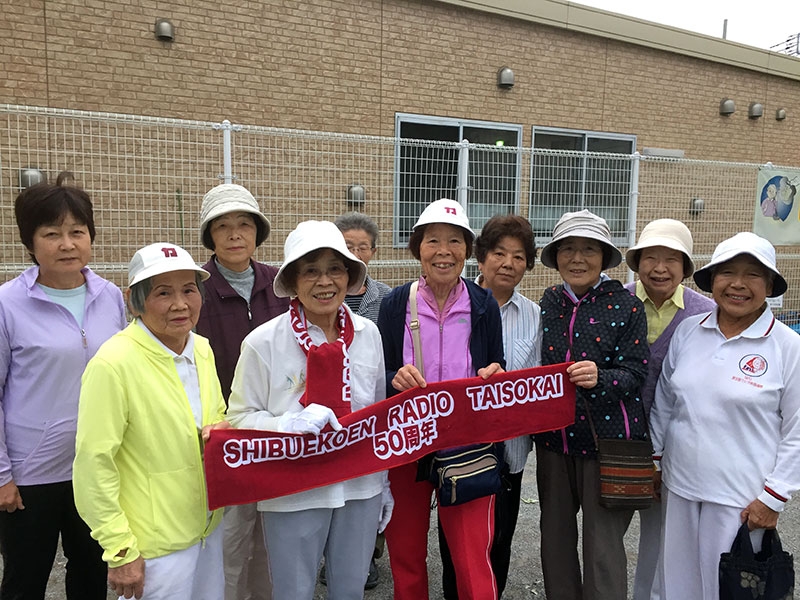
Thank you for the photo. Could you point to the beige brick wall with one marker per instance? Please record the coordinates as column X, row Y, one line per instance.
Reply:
column 350, row 65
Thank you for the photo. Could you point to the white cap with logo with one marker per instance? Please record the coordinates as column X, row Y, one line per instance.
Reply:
column 159, row 258
column 445, row 211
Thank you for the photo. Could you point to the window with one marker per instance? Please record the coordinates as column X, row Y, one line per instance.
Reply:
column 427, row 164
column 569, row 173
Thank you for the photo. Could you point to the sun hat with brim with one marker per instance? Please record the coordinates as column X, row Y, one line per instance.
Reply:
column 160, row 258
column 742, row 243
column 307, row 237
column 445, row 211
column 227, row 198
column 585, row 224
column 668, row 233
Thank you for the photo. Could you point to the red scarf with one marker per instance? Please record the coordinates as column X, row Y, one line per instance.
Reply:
column 327, row 365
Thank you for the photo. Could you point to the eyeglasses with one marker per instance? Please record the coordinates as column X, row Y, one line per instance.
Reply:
column 314, row 272
column 361, row 249
column 571, row 250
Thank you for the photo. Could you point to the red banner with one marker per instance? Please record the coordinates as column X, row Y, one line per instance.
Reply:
column 244, row 465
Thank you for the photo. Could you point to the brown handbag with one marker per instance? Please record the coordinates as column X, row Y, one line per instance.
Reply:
column 626, row 471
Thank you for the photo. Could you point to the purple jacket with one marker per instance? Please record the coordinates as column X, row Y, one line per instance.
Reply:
column 694, row 304
column 43, row 353
column 226, row 318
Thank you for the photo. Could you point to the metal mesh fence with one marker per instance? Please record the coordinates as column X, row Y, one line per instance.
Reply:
column 147, row 177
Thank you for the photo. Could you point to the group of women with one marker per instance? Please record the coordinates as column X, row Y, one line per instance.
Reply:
column 113, row 461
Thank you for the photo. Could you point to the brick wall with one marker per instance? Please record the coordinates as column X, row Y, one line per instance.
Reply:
column 350, row 65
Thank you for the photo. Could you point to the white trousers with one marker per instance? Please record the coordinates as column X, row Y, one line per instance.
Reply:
column 296, row 542
column 646, row 586
column 246, row 564
column 191, row 574
column 694, row 536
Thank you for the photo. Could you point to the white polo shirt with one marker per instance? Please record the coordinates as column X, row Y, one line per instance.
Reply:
column 726, row 416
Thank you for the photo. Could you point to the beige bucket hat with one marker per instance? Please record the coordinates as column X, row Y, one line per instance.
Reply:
column 669, row 233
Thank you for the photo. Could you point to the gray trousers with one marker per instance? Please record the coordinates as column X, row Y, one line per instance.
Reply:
column 646, row 586
column 297, row 541
column 566, row 485
column 245, row 558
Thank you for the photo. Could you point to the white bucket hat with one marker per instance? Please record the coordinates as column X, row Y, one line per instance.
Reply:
column 159, row 258
column 314, row 235
column 227, row 198
column 582, row 223
column 445, row 211
column 742, row 243
column 669, row 233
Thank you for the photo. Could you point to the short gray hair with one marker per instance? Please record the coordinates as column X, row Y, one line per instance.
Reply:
column 356, row 220
column 140, row 291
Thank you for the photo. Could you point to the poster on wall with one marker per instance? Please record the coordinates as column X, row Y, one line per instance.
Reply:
column 777, row 207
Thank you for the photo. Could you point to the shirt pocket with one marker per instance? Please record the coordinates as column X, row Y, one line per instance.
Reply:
column 362, row 385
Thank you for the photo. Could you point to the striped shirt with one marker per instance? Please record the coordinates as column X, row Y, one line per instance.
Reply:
column 368, row 304
column 522, row 342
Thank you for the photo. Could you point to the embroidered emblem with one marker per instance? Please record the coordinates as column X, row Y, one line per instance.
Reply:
column 753, row 365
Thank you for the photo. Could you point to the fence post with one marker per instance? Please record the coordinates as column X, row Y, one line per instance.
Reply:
column 634, row 202
column 227, row 161
column 462, row 182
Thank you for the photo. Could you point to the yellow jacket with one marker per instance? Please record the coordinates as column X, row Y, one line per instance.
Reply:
column 138, row 472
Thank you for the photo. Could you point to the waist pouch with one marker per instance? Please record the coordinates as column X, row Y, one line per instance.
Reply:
column 467, row 473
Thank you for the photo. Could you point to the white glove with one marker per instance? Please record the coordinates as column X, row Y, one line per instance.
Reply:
column 387, row 506
column 312, row 419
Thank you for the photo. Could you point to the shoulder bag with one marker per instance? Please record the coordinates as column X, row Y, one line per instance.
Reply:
column 626, row 470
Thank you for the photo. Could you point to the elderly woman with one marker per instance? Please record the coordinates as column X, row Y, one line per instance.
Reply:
column 505, row 251
column 662, row 258
column 238, row 298
column 454, row 315
column 292, row 377
column 730, row 451
column 361, row 235
column 149, row 401
column 53, row 318
column 591, row 319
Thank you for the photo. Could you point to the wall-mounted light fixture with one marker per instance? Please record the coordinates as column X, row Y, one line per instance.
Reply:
column 164, row 30
column 505, row 78
column 780, row 114
column 755, row 110
column 29, row 176
column 697, row 206
column 356, row 196
column 727, row 107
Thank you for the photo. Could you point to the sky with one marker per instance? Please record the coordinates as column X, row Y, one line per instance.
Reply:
column 760, row 24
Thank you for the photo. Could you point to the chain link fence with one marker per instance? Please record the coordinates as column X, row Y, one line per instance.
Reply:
column 147, row 177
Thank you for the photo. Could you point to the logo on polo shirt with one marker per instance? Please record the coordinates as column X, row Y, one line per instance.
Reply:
column 753, row 365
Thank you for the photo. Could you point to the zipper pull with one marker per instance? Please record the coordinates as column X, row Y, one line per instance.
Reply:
column 249, row 314
column 454, row 481
column 83, row 335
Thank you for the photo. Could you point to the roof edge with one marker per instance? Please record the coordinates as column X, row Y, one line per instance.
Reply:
column 597, row 22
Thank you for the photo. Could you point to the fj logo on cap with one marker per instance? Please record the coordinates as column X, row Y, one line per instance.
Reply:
column 170, row 252
column 449, row 210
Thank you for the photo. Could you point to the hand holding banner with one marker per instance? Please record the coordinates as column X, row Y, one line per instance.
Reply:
column 244, row 466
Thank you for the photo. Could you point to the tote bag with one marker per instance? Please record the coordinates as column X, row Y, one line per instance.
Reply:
column 766, row 575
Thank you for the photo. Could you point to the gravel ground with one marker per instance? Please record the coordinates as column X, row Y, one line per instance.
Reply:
column 525, row 577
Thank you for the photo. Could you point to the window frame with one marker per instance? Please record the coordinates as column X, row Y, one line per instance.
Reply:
column 399, row 237
column 619, row 237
